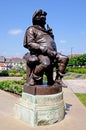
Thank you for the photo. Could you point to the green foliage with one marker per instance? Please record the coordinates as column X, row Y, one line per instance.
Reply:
column 77, row 64
column 24, row 76
column 16, row 72
column 4, row 73
column 12, row 71
column 12, row 86
column 82, row 97
column 77, row 60
column 77, row 70
column 22, row 71
column 44, row 78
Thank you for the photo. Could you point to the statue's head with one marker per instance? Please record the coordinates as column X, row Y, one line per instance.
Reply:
column 39, row 17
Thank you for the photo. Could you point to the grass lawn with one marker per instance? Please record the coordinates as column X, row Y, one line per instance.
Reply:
column 82, row 97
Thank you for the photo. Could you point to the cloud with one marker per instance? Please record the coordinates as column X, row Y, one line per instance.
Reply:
column 62, row 41
column 15, row 31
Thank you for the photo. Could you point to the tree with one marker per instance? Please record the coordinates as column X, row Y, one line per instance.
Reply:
column 77, row 61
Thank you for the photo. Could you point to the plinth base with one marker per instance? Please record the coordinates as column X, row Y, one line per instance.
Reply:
column 42, row 89
column 40, row 109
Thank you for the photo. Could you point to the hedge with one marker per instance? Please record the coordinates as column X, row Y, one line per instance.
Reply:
column 12, row 86
column 76, row 70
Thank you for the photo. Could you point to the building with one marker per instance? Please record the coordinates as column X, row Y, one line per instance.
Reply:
column 11, row 63
column 14, row 63
column 2, row 63
column 2, row 59
column 2, row 66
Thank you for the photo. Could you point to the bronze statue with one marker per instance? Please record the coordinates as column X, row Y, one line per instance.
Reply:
column 43, row 56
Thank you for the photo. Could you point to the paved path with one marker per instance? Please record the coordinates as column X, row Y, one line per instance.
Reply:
column 10, row 78
column 77, row 86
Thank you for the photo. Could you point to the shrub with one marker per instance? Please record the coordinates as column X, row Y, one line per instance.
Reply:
column 12, row 86
column 11, row 74
column 24, row 76
column 77, row 60
column 77, row 70
column 4, row 73
column 16, row 72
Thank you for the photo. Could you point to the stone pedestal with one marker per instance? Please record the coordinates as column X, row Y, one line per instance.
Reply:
column 40, row 109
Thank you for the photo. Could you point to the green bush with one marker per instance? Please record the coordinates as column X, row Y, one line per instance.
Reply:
column 11, row 74
column 77, row 60
column 21, row 82
column 22, row 71
column 24, row 76
column 77, row 70
column 16, row 72
column 12, row 86
column 4, row 73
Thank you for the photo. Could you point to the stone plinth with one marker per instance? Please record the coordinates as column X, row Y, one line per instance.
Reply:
column 40, row 109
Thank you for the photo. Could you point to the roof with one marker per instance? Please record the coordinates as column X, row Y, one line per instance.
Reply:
column 11, row 60
column 16, row 59
column 8, row 60
column 73, row 55
column 2, row 64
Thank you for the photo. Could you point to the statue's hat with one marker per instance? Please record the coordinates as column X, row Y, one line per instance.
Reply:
column 39, row 13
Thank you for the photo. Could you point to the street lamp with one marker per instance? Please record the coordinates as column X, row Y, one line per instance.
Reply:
column 71, row 51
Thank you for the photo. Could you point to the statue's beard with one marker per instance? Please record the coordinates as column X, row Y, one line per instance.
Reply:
column 40, row 23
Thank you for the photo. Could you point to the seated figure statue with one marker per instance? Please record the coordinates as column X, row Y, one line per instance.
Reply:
column 43, row 56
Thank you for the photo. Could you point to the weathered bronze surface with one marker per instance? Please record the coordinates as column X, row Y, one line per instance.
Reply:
column 42, row 57
column 42, row 89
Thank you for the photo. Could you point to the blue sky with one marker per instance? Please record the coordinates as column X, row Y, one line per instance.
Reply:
column 66, row 17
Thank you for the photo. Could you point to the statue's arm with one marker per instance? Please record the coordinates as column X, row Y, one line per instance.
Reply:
column 29, row 40
column 29, row 43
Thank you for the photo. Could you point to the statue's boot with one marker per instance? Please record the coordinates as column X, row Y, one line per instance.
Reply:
column 32, row 79
column 35, row 75
column 61, row 70
column 58, row 80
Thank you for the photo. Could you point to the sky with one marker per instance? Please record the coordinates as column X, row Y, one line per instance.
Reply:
column 67, row 18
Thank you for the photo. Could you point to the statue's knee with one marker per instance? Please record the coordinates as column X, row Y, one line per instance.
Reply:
column 31, row 59
column 64, row 59
column 26, row 56
column 46, row 63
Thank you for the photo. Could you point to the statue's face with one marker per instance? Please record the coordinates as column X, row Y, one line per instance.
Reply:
column 40, row 18
column 43, row 19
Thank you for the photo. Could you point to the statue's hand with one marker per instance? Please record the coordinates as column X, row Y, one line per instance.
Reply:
column 51, row 53
column 47, row 51
column 43, row 49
